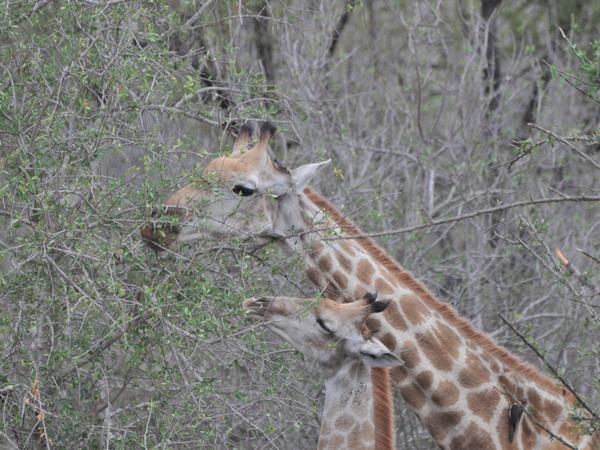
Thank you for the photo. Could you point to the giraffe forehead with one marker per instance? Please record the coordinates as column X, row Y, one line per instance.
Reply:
column 228, row 168
column 345, row 312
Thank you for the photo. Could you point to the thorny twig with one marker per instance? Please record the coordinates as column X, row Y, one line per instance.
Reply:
column 535, row 421
column 552, row 369
column 566, row 142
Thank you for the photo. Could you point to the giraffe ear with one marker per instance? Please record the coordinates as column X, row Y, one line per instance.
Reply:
column 374, row 354
column 303, row 174
column 379, row 306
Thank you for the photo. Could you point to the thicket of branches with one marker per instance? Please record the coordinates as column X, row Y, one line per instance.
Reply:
column 439, row 118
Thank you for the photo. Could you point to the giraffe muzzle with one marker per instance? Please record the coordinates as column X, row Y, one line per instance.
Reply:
column 258, row 307
column 162, row 227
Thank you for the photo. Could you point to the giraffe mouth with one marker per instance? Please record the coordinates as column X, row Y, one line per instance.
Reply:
column 161, row 229
column 258, row 307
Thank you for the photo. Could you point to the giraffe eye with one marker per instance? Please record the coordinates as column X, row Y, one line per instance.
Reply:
column 243, row 190
column 325, row 327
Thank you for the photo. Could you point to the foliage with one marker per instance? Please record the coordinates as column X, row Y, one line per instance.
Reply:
column 106, row 107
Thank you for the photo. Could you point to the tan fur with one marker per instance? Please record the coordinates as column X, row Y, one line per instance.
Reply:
column 382, row 287
column 394, row 317
column 424, row 379
column 483, row 404
column 474, row 374
column 474, row 438
column 446, row 394
column 440, row 423
column 413, row 395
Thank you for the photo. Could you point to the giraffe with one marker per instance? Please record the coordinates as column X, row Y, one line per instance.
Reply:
column 352, row 387
column 250, row 196
column 459, row 382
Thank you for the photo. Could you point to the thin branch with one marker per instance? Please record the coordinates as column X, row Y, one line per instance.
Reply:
column 535, row 421
column 339, row 28
column 592, row 257
column 104, row 344
column 566, row 142
column 552, row 369
column 481, row 212
column 192, row 20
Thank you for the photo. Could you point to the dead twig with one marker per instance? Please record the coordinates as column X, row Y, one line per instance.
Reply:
column 481, row 212
column 566, row 142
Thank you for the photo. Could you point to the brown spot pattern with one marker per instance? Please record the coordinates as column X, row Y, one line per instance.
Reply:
column 355, row 437
column 413, row 395
column 389, row 341
column 315, row 249
column 314, row 275
column 382, row 287
column 414, row 309
column 475, row 373
column 535, row 403
column 367, row 429
column 446, row 394
column 409, row 354
column 552, row 410
column 495, row 367
column 344, row 261
column 451, row 339
column 398, row 374
column 527, row 434
column 364, row 271
column 483, row 404
column 340, row 280
column 336, row 441
column 325, row 263
column 359, row 293
column 502, row 430
column 440, row 423
column 474, row 438
column 343, row 422
column 394, row 317
column 372, row 324
column 425, row 379
column 435, row 350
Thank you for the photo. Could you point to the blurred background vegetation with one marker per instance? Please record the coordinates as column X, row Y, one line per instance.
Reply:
column 428, row 109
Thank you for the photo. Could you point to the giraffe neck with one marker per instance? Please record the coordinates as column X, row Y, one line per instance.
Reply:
column 458, row 381
column 462, row 388
column 358, row 411
column 348, row 410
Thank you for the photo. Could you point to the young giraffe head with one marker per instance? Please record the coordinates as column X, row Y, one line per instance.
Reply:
column 358, row 410
column 246, row 195
column 325, row 331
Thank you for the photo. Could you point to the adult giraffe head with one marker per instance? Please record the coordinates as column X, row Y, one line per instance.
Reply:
column 246, row 195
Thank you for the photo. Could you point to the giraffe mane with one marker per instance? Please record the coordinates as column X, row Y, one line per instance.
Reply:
column 446, row 310
column 383, row 420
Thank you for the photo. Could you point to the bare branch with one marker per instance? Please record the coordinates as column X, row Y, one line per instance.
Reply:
column 552, row 369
